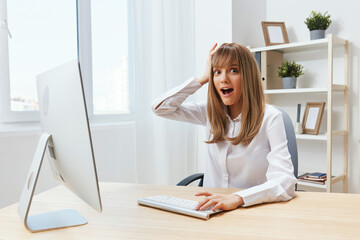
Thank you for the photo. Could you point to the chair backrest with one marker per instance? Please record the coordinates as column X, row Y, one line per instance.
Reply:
column 291, row 138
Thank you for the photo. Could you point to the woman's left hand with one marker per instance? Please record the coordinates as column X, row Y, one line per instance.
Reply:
column 219, row 201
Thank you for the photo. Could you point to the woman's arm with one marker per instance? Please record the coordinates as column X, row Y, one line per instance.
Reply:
column 171, row 104
column 280, row 184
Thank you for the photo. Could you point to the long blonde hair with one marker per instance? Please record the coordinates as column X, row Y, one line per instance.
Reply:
column 252, row 96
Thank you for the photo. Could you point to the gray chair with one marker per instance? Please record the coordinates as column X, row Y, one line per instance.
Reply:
column 292, row 146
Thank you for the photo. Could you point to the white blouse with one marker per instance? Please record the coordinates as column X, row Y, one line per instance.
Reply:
column 263, row 168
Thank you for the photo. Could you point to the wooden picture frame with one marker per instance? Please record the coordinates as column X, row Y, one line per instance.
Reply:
column 274, row 33
column 312, row 117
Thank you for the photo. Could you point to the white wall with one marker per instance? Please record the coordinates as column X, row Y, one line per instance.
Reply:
column 16, row 152
column 247, row 18
column 115, row 152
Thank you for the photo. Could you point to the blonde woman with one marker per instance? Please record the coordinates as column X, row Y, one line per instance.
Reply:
column 246, row 141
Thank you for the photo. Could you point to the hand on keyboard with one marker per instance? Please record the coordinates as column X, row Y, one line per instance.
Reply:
column 178, row 205
column 219, row 201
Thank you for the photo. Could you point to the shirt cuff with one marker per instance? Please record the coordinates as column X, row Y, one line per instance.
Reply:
column 246, row 196
column 259, row 194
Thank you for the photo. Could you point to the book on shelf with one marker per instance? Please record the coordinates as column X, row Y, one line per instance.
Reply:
column 315, row 177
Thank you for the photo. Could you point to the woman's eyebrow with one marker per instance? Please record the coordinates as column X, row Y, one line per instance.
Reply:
column 232, row 65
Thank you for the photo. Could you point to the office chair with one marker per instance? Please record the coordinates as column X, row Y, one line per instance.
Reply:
column 292, row 146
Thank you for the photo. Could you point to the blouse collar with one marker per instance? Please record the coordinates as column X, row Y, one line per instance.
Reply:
column 226, row 110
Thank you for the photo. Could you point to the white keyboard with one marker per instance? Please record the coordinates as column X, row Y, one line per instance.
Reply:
column 178, row 205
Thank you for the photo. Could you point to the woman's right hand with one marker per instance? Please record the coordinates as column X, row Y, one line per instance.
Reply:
column 205, row 78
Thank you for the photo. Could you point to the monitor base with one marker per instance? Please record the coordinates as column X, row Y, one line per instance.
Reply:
column 55, row 220
column 48, row 220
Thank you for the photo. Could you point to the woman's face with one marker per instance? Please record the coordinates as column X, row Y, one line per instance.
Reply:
column 227, row 81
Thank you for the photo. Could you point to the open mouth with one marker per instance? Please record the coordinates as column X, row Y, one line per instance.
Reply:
column 227, row 91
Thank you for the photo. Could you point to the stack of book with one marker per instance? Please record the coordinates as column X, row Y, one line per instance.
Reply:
column 315, row 177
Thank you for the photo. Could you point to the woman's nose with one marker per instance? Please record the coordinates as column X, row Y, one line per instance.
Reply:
column 223, row 77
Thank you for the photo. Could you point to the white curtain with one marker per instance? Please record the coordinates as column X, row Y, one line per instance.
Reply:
column 163, row 40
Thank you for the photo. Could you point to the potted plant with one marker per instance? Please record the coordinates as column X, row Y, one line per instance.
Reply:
column 289, row 71
column 317, row 23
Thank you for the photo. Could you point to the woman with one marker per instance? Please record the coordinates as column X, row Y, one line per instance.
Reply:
column 247, row 145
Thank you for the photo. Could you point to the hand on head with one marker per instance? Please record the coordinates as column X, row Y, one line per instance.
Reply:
column 205, row 78
column 219, row 201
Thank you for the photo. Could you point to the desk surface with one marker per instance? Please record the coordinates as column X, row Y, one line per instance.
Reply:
column 309, row 215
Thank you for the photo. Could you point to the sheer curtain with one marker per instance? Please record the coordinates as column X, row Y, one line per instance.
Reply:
column 163, row 41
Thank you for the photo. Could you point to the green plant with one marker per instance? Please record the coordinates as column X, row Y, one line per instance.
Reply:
column 290, row 69
column 318, row 21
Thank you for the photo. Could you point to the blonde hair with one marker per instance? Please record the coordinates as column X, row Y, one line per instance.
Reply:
column 252, row 96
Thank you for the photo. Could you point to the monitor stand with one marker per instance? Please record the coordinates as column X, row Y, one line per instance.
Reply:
column 48, row 220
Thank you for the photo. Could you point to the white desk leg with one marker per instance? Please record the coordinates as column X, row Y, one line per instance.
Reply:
column 49, row 220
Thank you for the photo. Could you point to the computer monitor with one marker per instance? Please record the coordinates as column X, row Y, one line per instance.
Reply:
column 66, row 143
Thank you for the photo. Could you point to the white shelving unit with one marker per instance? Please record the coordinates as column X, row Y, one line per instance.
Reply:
column 304, row 90
column 312, row 185
column 321, row 137
column 328, row 43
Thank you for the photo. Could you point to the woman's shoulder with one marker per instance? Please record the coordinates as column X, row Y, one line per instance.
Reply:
column 271, row 114
column 271, row 110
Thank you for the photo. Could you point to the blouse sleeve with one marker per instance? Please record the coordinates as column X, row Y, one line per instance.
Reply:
column 171, row 104
column 280, row 184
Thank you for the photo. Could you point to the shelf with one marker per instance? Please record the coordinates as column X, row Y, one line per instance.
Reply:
column 323, row 186
column 339, row 87
column 304, row 90
column 312, row 185
column 321, row 137
column 337, row 179
column 296, row 90
column 339, row 133
column 303, row 46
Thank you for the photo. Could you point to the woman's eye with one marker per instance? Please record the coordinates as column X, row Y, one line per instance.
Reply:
column 217, row 72
column 234, row 70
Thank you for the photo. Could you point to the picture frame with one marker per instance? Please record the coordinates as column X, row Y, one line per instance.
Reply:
column 312, row 117
column 274, row 33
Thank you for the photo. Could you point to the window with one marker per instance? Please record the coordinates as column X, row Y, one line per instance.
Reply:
column 44, row 35
column 110, row 54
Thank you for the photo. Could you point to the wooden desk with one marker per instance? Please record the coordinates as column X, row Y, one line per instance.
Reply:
column 308, row 216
